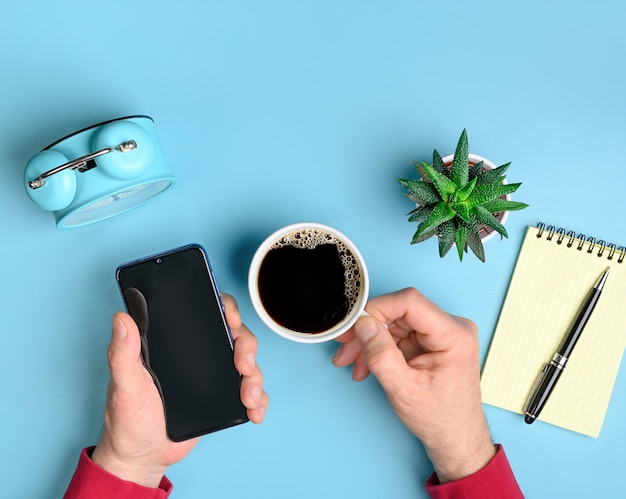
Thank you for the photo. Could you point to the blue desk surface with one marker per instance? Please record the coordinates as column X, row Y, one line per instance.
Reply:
column 277, row 112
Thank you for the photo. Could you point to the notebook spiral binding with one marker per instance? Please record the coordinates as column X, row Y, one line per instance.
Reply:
column 571, row 237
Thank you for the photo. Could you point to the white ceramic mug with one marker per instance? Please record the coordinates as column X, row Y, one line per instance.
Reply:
column 356, row 280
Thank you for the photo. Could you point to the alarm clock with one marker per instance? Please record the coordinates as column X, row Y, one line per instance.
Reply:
column 99, row 172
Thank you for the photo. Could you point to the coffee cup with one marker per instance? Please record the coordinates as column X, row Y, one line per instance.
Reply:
column 308, row 282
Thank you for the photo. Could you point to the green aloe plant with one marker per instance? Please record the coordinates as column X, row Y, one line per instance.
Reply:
column 455, row 201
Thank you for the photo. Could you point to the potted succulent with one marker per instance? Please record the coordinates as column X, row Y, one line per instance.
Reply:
column 459, row 200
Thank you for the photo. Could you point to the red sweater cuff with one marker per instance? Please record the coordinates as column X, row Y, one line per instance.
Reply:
column 93, row 482
column 494, row 481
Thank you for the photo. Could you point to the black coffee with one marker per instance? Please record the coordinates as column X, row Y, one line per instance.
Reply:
column 309, row 281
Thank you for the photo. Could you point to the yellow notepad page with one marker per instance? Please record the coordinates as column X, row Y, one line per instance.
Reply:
column 549, row 283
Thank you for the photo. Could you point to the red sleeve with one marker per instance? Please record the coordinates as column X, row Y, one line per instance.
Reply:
column 90, row 481
column 494, row 481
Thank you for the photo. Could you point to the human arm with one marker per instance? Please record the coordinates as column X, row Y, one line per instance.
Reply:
column 134, row 446
column 427, row 361
column 495, row 481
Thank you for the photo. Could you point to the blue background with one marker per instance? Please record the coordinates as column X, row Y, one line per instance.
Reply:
column 278, row 112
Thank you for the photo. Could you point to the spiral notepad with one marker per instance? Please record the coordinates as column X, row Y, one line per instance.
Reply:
column 554, row 272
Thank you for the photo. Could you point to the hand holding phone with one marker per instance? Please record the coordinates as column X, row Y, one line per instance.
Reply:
column 186, row 344
column 134, row 445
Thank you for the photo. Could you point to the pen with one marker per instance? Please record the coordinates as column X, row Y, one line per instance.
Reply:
column 549, row 375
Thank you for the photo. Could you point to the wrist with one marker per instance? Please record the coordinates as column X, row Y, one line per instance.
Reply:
column 463, row 456
column 145, row 475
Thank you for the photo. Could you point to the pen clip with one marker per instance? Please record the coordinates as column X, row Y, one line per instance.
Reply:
column 533, row 390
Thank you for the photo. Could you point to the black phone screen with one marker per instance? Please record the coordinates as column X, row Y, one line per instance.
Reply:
column 186, row 343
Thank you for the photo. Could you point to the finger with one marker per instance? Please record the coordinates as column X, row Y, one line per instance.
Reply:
column 245, row 343
column 231, row 311
column 253, row 396
column 257, row 415
column 409, row 310
column 381, row 353
column 351, row 353
column 347, row 353
column 124, row 351
column 347, row 336
column 360, row 370
column 411, row 347
column 246, row 347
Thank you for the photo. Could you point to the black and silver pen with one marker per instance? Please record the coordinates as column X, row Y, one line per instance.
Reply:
column 549, row 375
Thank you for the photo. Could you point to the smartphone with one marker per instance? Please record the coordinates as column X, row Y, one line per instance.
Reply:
column 186, row 344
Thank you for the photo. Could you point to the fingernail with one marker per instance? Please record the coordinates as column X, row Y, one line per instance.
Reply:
column 262, row 411
column 119, row 329
column 337, row 354
column 366, row 329
column 256, row 394
column 251, row 360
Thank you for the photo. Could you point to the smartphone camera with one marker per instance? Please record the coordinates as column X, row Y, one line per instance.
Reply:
column 158, row 260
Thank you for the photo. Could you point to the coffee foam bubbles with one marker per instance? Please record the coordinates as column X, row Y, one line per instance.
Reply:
column 310, row 239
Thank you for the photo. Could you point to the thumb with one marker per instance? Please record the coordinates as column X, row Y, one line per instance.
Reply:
column 381, row 353
column 124, row 349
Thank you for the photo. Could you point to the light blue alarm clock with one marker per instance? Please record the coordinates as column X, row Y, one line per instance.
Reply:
column 118, row 165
